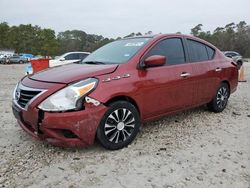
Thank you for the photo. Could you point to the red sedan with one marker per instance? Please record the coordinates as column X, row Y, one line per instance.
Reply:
column 120, row 86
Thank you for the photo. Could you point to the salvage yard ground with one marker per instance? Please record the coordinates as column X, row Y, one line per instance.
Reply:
column 195, row 148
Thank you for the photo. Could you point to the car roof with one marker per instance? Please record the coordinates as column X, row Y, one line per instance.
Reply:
column 162, row 35
column 177, row 35
column 76, row 52
column 230, row 52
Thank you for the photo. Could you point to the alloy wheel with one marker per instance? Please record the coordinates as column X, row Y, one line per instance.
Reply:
column 119, row 125
column 222, row 97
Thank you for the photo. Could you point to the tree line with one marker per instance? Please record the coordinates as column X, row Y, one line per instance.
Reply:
column 232, row 37
column 39, row 41
column 44, row 41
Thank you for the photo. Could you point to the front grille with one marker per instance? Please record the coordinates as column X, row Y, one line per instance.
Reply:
column 23, row 96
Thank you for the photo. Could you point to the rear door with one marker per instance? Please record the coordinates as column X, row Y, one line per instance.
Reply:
column 206, row 70
column 170, row 87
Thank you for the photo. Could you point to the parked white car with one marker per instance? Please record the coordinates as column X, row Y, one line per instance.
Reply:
column 67, row 58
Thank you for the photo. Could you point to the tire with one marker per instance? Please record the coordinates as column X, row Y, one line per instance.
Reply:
column 119, row 125
column 21, row 62
column 219, row 102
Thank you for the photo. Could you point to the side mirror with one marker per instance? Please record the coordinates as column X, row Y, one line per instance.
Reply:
column 154, row 61
column 62, row 59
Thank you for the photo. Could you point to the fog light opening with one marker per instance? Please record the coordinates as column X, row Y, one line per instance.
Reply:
column 68, row 134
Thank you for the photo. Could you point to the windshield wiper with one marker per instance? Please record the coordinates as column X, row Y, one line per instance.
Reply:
column 94, row 62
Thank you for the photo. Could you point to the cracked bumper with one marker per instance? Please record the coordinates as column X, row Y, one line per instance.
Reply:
column 69, row 129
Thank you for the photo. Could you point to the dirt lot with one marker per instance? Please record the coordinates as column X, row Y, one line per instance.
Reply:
column 192, row 149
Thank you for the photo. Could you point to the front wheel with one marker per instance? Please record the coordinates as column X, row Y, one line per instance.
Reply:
column 219, row 102
column 119, row 125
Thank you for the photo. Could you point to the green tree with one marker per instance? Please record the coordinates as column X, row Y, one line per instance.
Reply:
column 77, row 40
column 235, row 37
column 196, row 30
column 48, row 44
column 4, row 35
column 130, row 35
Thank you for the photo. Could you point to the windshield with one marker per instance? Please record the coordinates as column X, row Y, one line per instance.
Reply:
column 117, row 52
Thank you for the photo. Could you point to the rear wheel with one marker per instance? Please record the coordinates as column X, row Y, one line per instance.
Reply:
column 21, row 62
column 219, row 102
column 119, row 125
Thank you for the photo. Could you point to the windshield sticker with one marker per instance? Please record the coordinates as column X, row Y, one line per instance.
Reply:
column 134, row 44
column 126, row 55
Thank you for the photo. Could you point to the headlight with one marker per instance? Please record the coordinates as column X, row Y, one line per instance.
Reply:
column 69, row 98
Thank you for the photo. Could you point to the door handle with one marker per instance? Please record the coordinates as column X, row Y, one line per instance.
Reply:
column 218, row 69
column 185, row 74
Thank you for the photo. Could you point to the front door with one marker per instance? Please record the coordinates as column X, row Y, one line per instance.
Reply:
column 167, row 88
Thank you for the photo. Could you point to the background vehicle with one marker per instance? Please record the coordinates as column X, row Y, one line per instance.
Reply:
column 17, row 59
column 121, row 85
column 4, row 54
column 3, row 59
column 27, row 56
column 235, row 56
column 7, row 52
column 67, row 58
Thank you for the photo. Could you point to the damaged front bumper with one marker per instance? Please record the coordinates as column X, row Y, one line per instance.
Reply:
column 65, row 129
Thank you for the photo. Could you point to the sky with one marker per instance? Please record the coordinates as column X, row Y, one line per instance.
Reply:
column 118, row 18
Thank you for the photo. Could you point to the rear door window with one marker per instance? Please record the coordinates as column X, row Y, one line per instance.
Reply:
column 172, row 49
column 197, row 51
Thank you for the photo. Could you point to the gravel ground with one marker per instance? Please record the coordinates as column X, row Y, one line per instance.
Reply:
column 195, row 148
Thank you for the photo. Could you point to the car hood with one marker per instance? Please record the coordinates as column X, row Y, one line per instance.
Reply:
column 72, row 72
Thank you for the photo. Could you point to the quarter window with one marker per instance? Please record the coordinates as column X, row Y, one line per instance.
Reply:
column 172, row 49
column 210, row 52
column 197, row 51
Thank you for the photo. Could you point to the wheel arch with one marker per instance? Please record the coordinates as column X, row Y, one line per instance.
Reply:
column 123, row 98
column 227, row 82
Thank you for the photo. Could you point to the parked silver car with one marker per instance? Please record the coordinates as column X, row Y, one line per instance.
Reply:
column 17, row 59
column 235, row 56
